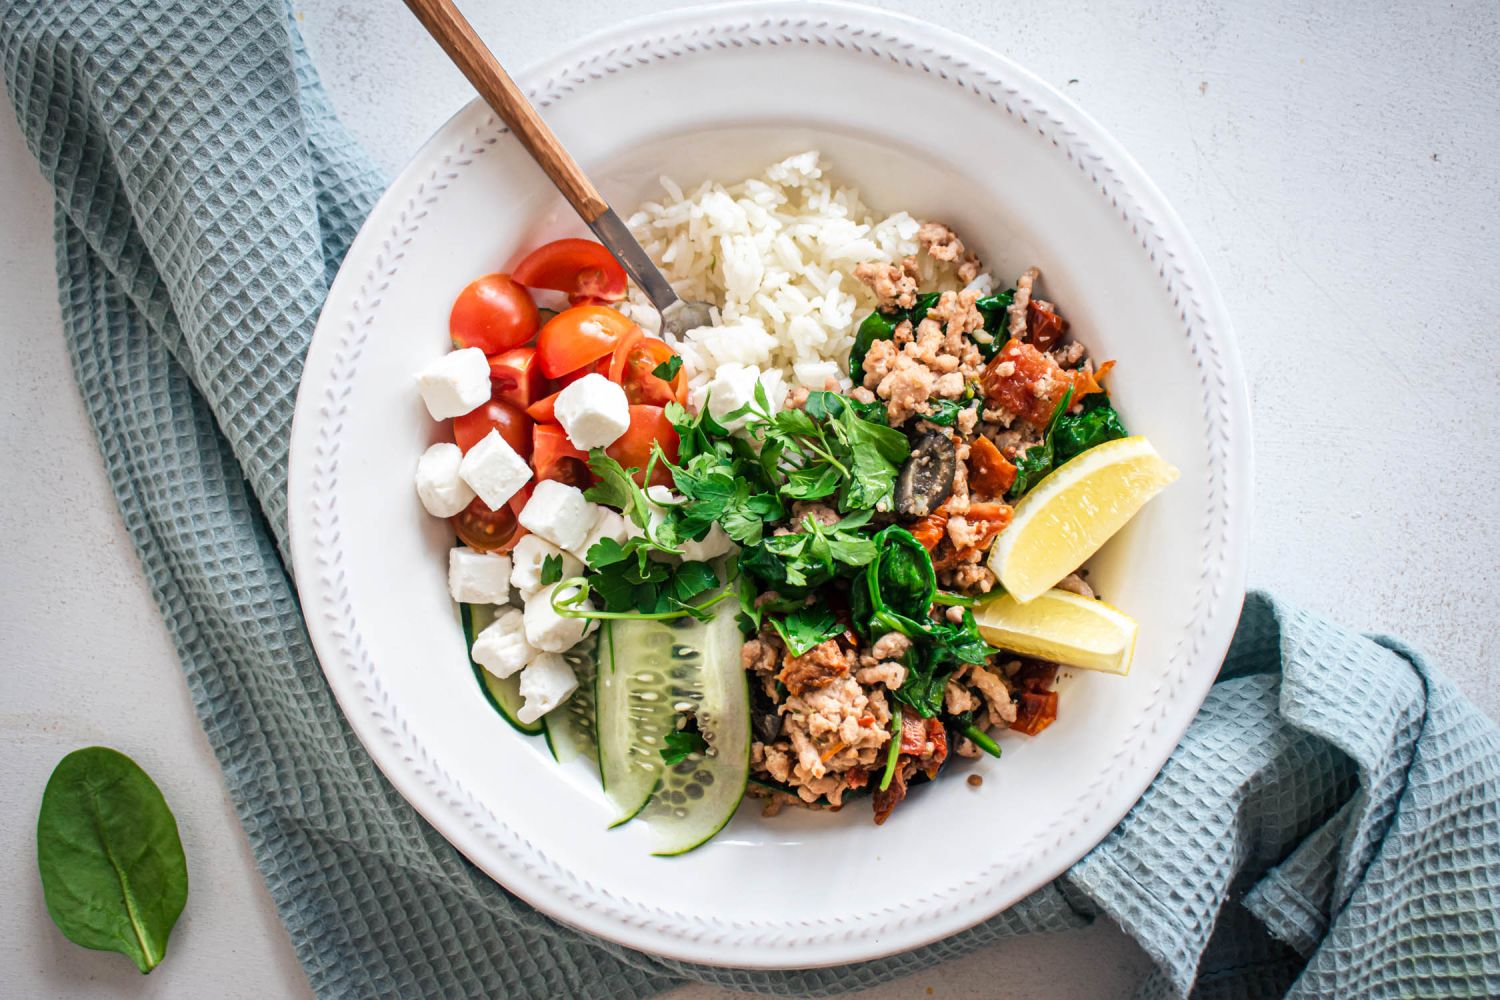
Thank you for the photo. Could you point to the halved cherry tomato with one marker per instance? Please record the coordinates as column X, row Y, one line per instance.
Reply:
column 579, row 336
column 517, row 377
column 581, row 268
column 633, row 449
column 633, row 366
column 544, row 410
column 484, row 529
column 493, row 313
column 513, row 424
column 554, row 457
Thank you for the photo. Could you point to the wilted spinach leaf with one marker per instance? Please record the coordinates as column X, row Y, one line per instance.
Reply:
column 1077, row 433
column 113, row 872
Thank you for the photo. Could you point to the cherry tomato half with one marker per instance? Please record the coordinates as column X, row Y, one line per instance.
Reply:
column 581, row 268
column 633, row 449
column 633, row 366
column 554, row 457
column 579, row 336
column 544, row 410
column 494, row 314
column 513, row 424
column 516, row 377
column 483, row 529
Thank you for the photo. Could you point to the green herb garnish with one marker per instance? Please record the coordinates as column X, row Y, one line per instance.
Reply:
column 807, row 627
column 682, row 742
column 668, row 369
column 551, row 570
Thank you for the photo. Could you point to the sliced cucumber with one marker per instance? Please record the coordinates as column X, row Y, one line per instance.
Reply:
column 651, row 674
column 570, row 726
column 502, row 693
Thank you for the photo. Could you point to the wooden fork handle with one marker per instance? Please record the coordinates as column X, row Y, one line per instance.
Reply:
column 456, row 35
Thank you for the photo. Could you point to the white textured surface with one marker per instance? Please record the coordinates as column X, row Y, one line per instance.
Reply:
column 1340, row 167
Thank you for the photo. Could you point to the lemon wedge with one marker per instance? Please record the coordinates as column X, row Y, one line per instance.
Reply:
column 1069, row 514
column 1061, row 627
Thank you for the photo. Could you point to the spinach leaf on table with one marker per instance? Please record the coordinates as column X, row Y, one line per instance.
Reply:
column 113, row 872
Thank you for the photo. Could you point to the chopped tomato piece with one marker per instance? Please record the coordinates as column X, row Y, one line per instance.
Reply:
column 913, row 734
column 633, row 449
column 544, row 410
column 579, row 336
column 929, row 530
column 633, row 367
column 1036, row 711
column 938, row 737
column 517, row 376
column 583, row 269
column 1044, row 327
column 987, row 520
column 990, row 473
column 1036, row 675
column 554, row 457
column 494, row 314
column 514, row 426
column 1029, row 383
column 483, row 529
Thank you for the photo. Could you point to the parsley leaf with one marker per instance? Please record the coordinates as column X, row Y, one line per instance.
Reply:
column 680, row 743
column 551, row 570
column 807, row 627
column 668, row 369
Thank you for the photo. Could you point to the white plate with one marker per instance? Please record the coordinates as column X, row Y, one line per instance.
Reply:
column 922, row 120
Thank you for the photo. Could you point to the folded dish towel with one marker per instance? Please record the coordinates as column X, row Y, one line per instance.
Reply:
column 1330, row 826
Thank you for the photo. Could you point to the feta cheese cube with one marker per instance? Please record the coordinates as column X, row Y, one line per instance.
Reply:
column 607, row 524
column 526, row 563
column 663, row 496
column 715, row 543
column 441, row 490
column 549, row 631
column 593, row 411
column 478, row 577
column 494, row 470
column 501, row 648
column 545, row 684
column 815, row 374
column 733, row 385
column 559, row 513
column 456, row 383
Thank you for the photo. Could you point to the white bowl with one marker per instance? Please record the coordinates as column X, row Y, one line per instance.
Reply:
column 921, row 120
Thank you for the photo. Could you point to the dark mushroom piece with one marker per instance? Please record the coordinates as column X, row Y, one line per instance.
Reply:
column 926, row 479
column 764, row 719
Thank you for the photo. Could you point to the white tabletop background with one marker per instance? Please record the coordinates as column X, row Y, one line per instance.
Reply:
column 1339, row 164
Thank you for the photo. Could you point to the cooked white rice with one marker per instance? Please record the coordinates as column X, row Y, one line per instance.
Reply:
column 776, row 255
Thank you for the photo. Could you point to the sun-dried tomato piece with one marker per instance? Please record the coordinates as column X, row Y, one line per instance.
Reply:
column 1036, row 711
column 1029, row 383
column 1044, row 327
column 990, row 472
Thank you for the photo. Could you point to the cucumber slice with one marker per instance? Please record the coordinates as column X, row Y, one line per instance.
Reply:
column 651, row 673
column 504, row 694
column 570, row 727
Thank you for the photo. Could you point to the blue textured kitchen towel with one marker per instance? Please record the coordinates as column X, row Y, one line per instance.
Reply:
column 1330, row 826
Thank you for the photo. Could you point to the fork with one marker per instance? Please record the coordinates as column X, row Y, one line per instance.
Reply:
column 457, row 37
